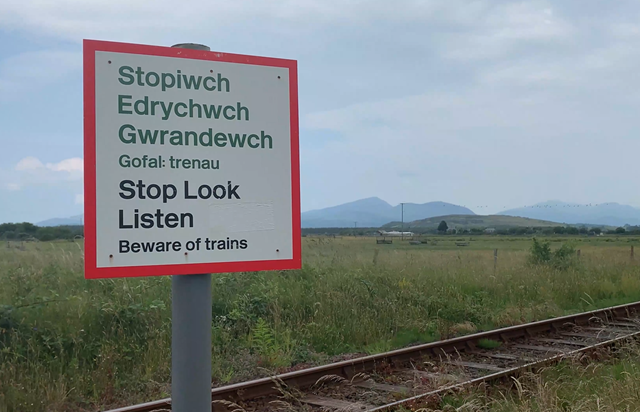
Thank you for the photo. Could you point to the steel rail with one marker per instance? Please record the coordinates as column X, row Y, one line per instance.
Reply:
column 307, row 377
column 504, row 373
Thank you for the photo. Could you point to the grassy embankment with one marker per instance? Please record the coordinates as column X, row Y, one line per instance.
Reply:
column 70, row 344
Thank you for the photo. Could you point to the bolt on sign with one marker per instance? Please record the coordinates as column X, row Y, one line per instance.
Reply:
column 191, row 161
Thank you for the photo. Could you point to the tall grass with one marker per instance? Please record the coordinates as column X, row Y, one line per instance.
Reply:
column 71, row 344
column 611, row 384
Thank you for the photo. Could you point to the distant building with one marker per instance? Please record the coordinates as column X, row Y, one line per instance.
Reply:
column 489, row 230
column 395, row 233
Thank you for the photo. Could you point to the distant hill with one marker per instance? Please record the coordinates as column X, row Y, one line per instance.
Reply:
column 472, row 221
column 375, row 212
column 610, row 214
column 69, row 221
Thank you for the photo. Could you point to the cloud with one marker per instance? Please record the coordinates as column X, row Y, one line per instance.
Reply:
column 501, row 29
column 29, row 163
column 30, row 171
column 480, row 22
column 73, row 166
column 74, row 19
column 490, row 141
column 412, row 101
column 79, row 199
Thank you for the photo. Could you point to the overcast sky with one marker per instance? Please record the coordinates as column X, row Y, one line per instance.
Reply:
column 492, row 103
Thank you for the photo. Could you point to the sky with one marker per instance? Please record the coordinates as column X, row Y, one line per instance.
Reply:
column 493, row 103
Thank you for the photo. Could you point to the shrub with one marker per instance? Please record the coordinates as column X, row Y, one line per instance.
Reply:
column 564, row 257
column 541, row 254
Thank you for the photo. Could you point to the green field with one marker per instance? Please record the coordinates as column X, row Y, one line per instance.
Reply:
column 68, row 344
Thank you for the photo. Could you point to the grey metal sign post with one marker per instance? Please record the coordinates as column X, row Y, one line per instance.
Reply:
column 191, row 334
column 191, row 343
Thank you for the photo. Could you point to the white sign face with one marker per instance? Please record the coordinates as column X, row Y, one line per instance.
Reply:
column 191, row 162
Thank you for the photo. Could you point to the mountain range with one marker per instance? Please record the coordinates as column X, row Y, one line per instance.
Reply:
column 63, row 221
column 371, row 212
column 375, row 212
column 610, row 214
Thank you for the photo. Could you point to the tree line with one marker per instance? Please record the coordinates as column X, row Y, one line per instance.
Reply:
column 29, row 231
column 443, row 228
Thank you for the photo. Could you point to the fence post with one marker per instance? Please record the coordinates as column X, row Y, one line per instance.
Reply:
column 631, row 252
column 578, row 254
column 495, row 261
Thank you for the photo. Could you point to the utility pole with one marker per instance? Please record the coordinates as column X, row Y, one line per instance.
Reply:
column 402, row 224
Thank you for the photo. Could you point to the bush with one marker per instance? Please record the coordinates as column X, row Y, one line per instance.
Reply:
column 540, row 252
column 561, row 259
column 564, row 257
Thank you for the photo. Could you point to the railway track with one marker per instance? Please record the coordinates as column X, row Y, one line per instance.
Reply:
column 415, row 375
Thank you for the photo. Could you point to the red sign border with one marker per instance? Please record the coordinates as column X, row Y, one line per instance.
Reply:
column 90, row 47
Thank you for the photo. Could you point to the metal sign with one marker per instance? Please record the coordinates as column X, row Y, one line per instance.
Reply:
column 191, row 161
